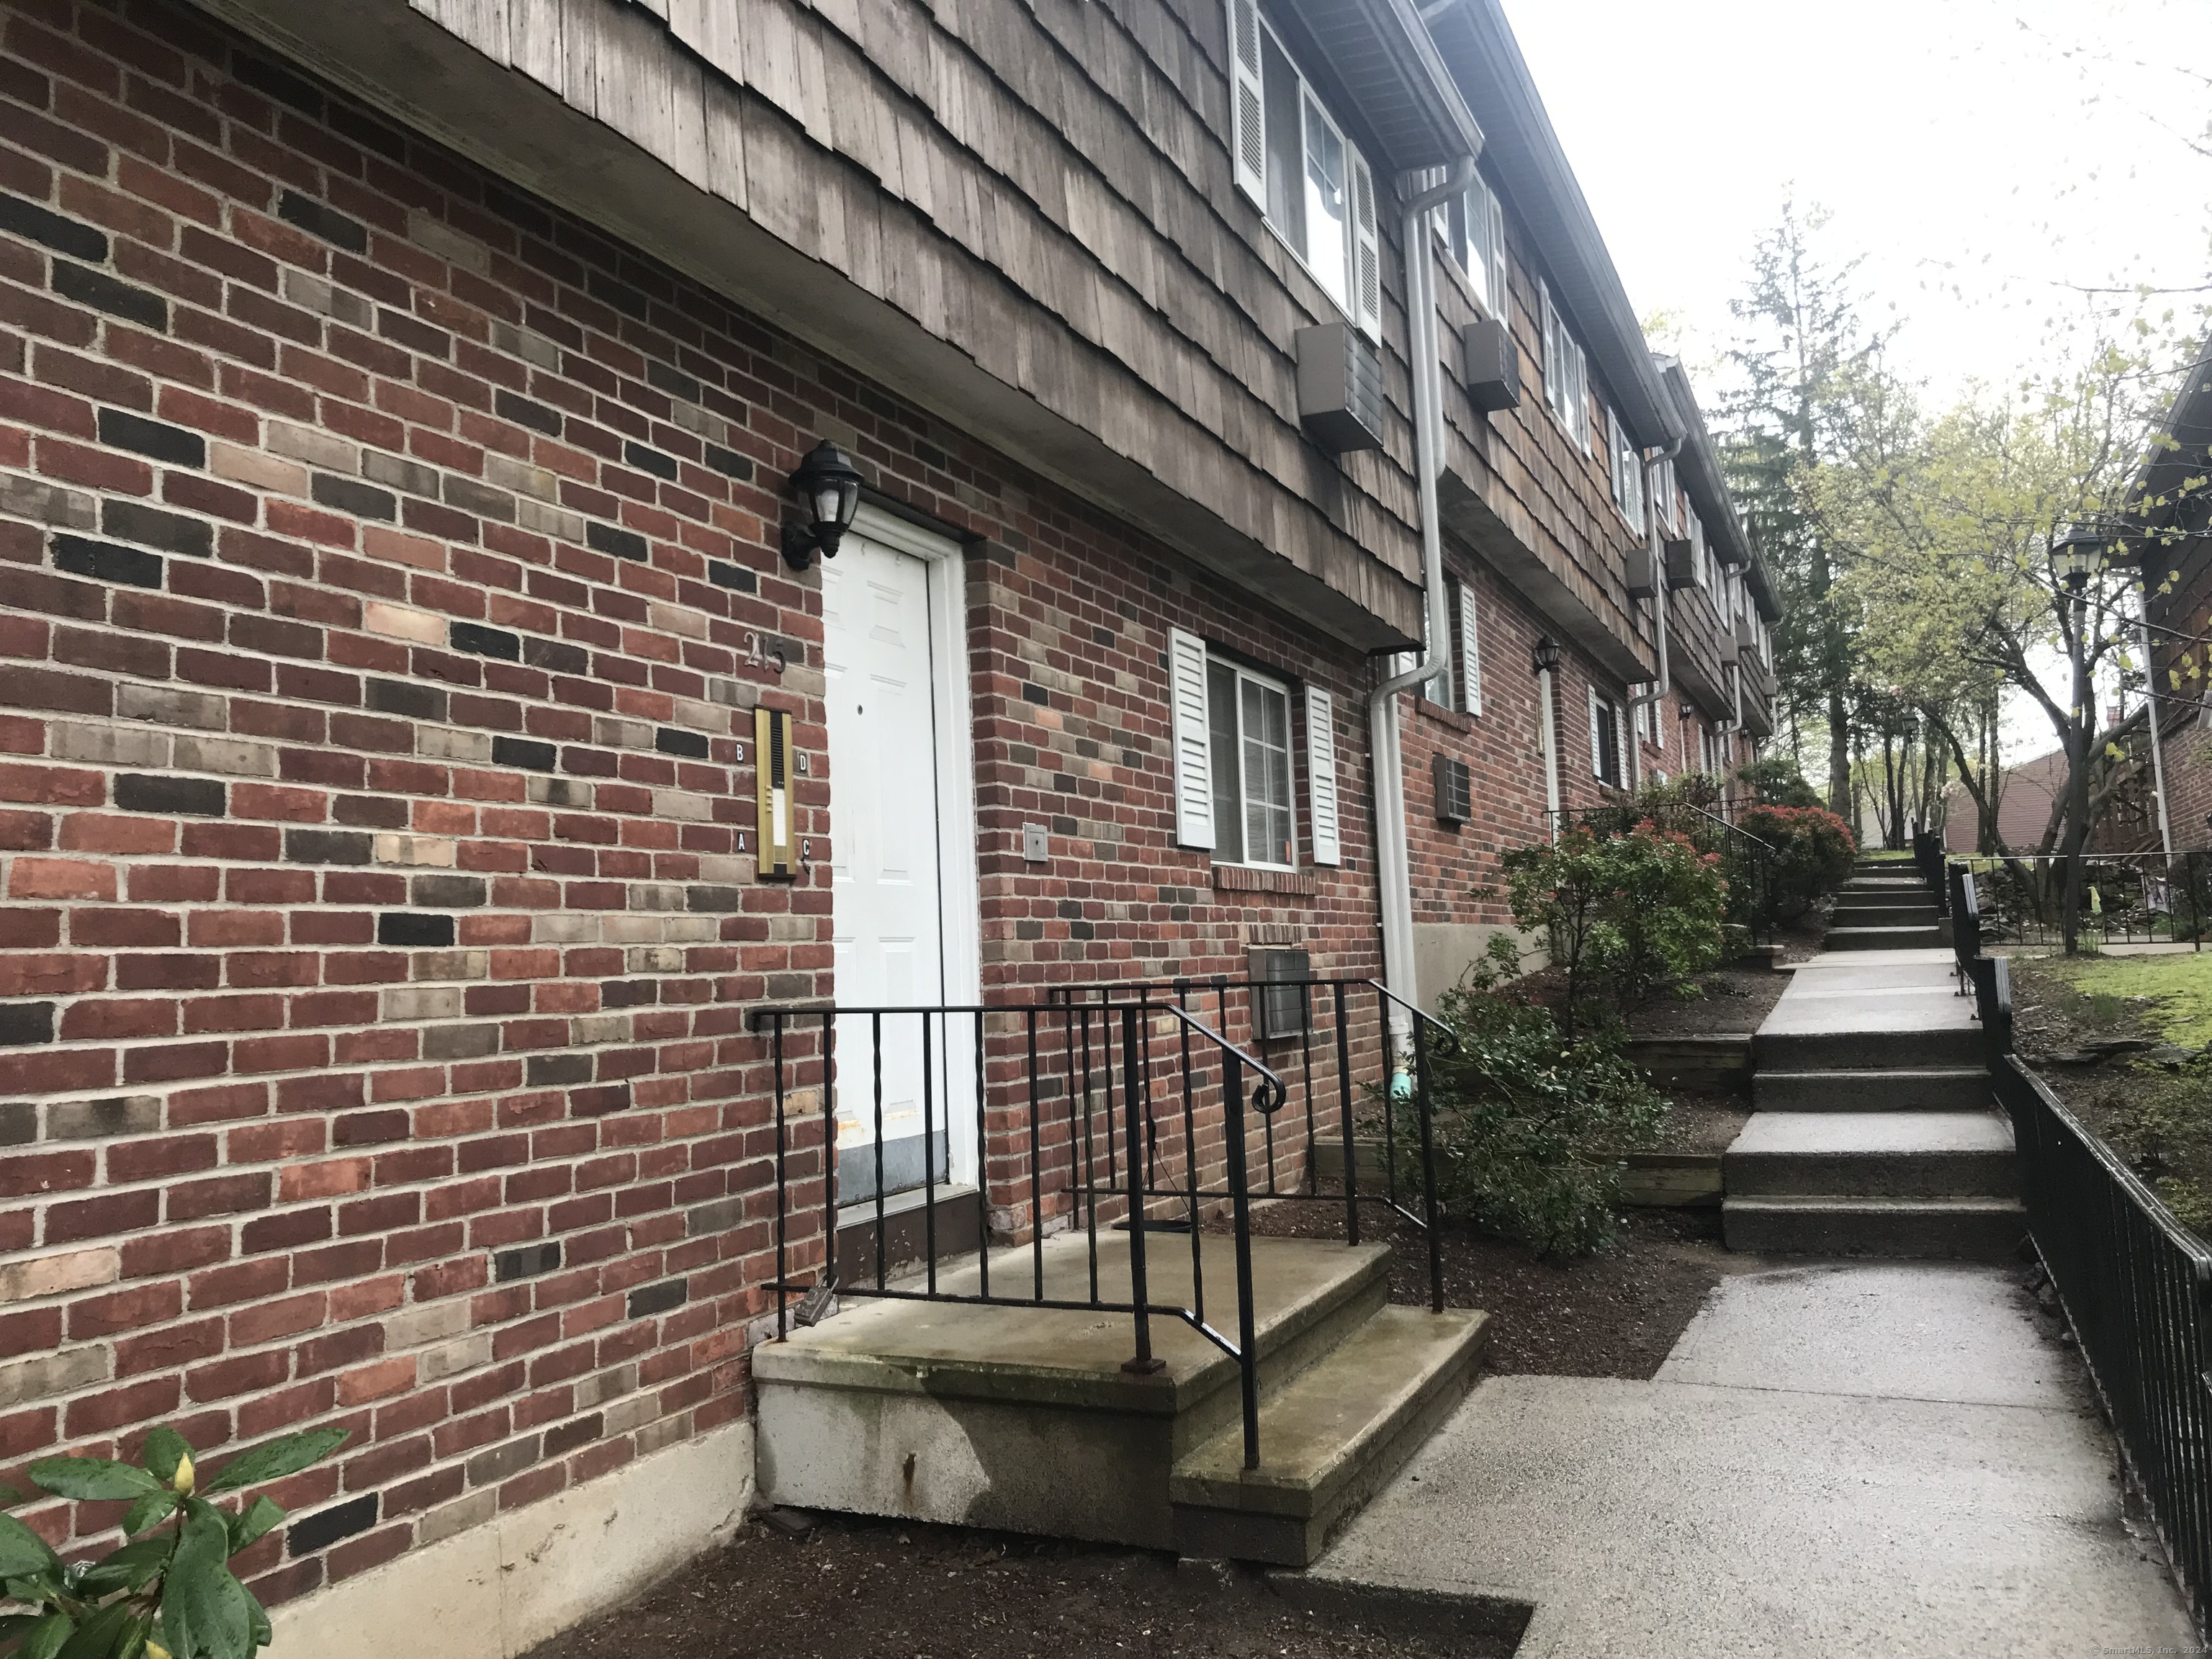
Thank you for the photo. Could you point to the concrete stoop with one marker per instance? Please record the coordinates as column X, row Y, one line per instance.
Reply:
column 1953, row 1229
column 1924, row 1089
column 1023, row 1419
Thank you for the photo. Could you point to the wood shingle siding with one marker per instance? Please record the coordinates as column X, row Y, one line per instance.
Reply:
column 1044, row 190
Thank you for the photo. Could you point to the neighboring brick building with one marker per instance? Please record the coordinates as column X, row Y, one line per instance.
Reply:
column 395, row 422
column 2171, row 510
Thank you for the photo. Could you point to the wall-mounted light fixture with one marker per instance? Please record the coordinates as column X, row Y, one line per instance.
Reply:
column 827, row 488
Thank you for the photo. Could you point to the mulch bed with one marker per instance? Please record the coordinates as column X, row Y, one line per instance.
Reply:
column 842, row 1588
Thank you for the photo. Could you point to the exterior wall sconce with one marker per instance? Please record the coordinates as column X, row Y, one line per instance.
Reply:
column 828, row 486
column 1547, row 655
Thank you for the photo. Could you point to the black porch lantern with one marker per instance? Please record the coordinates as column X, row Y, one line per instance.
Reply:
column 2076, row 557
column 828, row 488
column 1547, row 655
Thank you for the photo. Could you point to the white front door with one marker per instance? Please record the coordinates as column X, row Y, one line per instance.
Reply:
column 887, row 694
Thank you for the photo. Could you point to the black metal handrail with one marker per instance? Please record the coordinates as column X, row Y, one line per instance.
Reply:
column 2132, row 898
column 1086, row 1081
column 2134, row 1284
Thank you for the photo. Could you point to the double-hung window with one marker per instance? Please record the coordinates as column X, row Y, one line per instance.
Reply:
column 1662, row 496
column 1566, row 374
column 1236, row 734
column 1292, row 158
column 1701, row 555
column 1608, row 764
column 1474, row 225
column 1627, row 472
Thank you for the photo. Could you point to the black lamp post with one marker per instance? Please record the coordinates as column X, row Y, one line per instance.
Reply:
column 2076, row 557
column 828, row 488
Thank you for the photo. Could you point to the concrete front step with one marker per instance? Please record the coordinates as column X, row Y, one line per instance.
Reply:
column 1961, row 1229
column 1930, row 1089
column 1944, row 1047
column 1881, row 938
column 1872, row 1155
column 1887, row 915
column 1329, row 1439
column 1022, row 1419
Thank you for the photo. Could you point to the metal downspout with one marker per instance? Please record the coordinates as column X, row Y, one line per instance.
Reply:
column 1665, row 683
column 1394, row 878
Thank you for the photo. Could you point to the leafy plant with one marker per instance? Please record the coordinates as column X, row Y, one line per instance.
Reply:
column 1814, row 853
column 168, row 1593
column 1528, row 1122
column 1629, row 915
column 1776, row 781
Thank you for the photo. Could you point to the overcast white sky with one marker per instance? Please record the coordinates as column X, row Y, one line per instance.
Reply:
column 1975, row 150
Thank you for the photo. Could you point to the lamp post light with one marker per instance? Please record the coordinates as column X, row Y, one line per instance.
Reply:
column 828, row 487
column 1547, row 663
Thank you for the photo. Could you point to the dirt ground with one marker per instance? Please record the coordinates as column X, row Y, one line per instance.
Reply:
column 2103, row 1034
column 804, row 1587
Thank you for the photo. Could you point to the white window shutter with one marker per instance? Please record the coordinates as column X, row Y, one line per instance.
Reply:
column 1470, row 654
column 1320, row 776
column 1193, row 740
column 1367, row 251
column 1597, row 740
column 1550, row 345
column 1248, row 143
column 1620, row 744
column 1500, row 301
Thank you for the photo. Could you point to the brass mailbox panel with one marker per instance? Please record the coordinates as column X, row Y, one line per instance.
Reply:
column 772, row 774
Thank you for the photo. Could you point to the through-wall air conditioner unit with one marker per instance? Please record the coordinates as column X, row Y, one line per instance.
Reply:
column 1340, row 387
column 1641, row 584
column 1491, row 366
column 1681, row 564
column 1454, row 791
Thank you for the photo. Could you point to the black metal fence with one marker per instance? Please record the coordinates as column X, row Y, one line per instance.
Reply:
column 1747, row 862
column 2135, row 1286
column 1116, row 1107
column 2127, row 899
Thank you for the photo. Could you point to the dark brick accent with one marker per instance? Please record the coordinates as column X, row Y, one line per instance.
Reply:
column 271, row 82
column 527, row 753
column 138, row 792
column 19, row 1122
column 557, row 1071
column 658, row 1299
column 628, row 993
column 325, row 1527
column 730, row 463
column 525, row 412
column 414, row 928
column 470, row 496
column 481, row 641
column 104, row 561
column 653, row 461
column 702, row 896
column 327, row 847
column 101, row 292
column 526, row 1260
column 674, row 381
column 171, row 532
column 420, row 702
column 29, row 219
column 623, row 543
column 518, row 210
column 671, row 741
column 1036, row 694
column 351, row 495
column 23, row 1022
column 597, row 1102
column 612, row 290
column 455, row 892
column 372, row 811
column 124, row 430
column 577, row 1431
column 319, row 219
column 724, row 574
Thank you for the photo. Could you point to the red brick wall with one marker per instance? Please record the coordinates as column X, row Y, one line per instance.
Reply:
column 385, row 558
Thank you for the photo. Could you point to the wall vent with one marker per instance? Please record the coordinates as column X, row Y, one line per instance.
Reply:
column 1454, row 791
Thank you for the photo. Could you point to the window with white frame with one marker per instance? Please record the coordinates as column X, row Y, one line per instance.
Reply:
column 1701, row 557
column 1627, row 470
column 1608, row 764
column 1566, row 374
column 1236, row 733
column 1662, row 496
column 1293, row 159
column 1474, row 225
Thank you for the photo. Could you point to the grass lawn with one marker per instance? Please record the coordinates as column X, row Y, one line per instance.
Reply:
column 2179, row 987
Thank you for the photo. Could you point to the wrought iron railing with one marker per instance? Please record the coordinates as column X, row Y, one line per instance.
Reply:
column 1114, row 1105
column 2134, row 1284
column 1746, row 861
column 2127, row 899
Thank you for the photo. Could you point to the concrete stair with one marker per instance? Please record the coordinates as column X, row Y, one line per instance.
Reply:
column 1884, row 906
column 1022, row 1419
column 1872, row 1132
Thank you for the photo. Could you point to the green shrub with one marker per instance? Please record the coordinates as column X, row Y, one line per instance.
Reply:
column 1627, row 916
column 1814, row 853
column 1529, row 1123
column 1777, row 782
column 167, row 1595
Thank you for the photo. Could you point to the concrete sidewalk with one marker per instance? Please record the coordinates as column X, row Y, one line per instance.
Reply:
column 1878, row 1461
